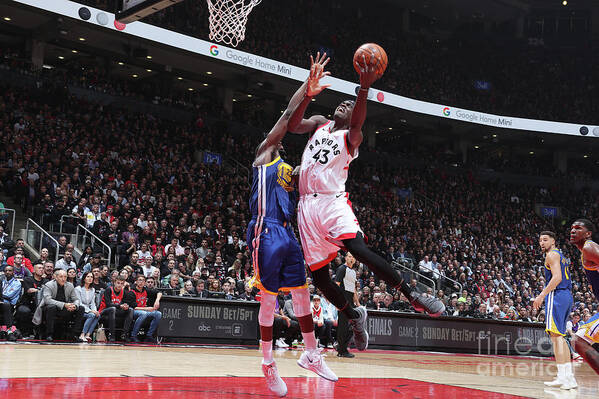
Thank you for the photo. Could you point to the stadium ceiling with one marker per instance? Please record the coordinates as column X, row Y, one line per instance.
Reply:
column 63, row 35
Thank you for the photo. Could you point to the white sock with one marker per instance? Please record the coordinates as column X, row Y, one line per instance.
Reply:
column 309, row 340
column 561, row 368
column 267, row 352
column 568, row 370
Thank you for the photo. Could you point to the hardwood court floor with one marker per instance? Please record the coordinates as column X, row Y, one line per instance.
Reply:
column 103, row 371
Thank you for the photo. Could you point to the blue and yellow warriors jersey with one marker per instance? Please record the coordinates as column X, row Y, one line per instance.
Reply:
column 558, row 302
column 566, row 283
column 276, row 255
column 273, row 195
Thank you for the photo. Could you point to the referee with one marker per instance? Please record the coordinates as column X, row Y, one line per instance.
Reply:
column 346, row 279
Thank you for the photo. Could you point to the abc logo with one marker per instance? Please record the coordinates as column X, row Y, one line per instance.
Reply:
column 204, row 328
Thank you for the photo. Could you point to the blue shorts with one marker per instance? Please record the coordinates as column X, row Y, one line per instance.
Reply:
column 593, row 277
column 276, row 256
column 557, row 311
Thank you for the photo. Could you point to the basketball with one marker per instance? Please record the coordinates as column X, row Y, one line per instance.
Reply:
column 374, row 55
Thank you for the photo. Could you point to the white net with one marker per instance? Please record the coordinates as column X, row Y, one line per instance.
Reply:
column 228, row 18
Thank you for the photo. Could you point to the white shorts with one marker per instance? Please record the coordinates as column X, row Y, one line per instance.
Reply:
column 324, row 220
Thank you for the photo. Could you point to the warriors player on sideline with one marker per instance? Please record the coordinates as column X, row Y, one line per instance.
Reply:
column 557, row 295
column 581, row 234
column 276, row 254
column 325, row 218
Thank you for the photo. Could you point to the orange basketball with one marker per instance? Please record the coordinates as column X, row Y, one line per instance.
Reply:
column 374, row 56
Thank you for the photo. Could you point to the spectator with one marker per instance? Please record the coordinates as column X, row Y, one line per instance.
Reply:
column 147, row 268
column 59, row 302
column 248, row 294
column 116, row 304
column 87, row 299
column 201, row 292
column 85, row 258
column 25, row 262
column 98, row 284
column 66, row 262
column 188, row 289
column 19, row 269
column 49, row 270
column 72, row 276
column 29, row 300
column 44, row 256
column 147, row 303
column 93, row 262
column 10, row 288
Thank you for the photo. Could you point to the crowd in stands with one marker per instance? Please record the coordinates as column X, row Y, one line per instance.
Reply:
column 471, row 70
column 137, row 182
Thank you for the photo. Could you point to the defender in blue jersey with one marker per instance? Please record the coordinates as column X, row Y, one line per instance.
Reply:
column 557, row 295
column 276, row 255
column 587, row 340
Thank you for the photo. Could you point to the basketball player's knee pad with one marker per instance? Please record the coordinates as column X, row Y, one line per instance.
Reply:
column 301, row 302
column 266, row 314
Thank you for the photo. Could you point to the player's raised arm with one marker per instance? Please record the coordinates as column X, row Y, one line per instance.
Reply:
column 297, row 123
column 368, row 76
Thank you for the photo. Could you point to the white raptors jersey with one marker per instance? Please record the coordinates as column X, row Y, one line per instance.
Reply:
column 325, row 161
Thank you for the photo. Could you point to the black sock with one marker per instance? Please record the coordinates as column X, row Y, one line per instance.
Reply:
column 377, row 264
column 334, row 293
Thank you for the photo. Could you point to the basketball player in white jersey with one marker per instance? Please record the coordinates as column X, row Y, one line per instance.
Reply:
column 325, row 217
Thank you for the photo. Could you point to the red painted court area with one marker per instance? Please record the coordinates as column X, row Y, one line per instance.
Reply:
column 231, row 387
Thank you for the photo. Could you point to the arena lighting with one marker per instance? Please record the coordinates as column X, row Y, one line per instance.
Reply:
column 74, row 51
column 564, row 3
column 531, row 152
column 585, row 156
column 60, row 57
column 7, row 19
column 120, row 63
column 476, row 147
column 148, row 70
column 205, row 84
column 234, row 100
column 149, row 57
column 390, row 128
column 81, row 39
column 134, row 75
column 249, row 95
column 494, row 135
column 179, row 78
column 191, row 89
column 208, row 73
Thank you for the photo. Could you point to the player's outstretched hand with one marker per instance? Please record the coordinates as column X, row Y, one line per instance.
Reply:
column 316, row 73
column 367, row 74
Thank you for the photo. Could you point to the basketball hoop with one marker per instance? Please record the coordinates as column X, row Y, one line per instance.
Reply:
column 228, row 18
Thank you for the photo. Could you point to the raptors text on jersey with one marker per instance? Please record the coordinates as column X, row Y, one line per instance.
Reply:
column 325, row 161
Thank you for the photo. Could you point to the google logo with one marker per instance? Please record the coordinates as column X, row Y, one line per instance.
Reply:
column 214, row 49
column 446, row 111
